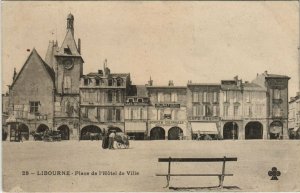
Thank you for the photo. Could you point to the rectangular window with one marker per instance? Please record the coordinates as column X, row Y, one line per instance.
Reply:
column 167, row 97
column 276, row 94
column 98, row 113
column 225, row 97
column 195, row 111
column 236, row 110
column 225, row 111
column 250, row 110
column 215, row 111
column 86, row 82
column 67, row 84
column 215, row 97
column 195, row 97
column 34, row 106
column 110, row 115
column 174, row 97
column 205, row 97
column 85, row 112
column 97, row 82
column 109, row 96
column 141, row 113
column 235, row 97
column 160, row 97
column 204, row 110
column 248, row 97
column 118, row 115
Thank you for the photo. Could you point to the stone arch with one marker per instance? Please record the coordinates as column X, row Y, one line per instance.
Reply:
column 64, row 131
column 42, row 128
column 254, row 130
column 276, row 130
column 90, row 132
column 230, row 130
column 24, row 131
column 157, row 133
column 175, row 133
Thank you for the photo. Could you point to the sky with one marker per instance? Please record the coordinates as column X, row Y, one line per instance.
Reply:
column 200, row 41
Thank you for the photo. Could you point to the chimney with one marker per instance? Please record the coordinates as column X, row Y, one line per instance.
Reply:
column 298, row 94
column 104, row 67
column 150, row 82
column 189, row 82
column 266, row 72
column 100, row 72
column 171, row 83
column 79, row 45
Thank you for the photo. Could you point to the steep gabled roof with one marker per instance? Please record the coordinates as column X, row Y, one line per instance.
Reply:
column 69, row 43
column 49, row 70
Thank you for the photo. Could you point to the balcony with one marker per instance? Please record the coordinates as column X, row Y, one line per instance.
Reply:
column 203, row 118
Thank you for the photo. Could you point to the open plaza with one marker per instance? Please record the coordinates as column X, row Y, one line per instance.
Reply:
column 81, row 166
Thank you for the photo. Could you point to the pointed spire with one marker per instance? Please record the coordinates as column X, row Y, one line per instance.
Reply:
column 70, row 23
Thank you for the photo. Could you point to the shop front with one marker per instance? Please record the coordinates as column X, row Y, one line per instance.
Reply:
column 205, row 130
column 136, row 130
column 167, row 129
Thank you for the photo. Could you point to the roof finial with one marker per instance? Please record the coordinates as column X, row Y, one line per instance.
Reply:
column 70, row 23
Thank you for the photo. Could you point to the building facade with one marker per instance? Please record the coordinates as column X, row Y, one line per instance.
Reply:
column 203, row 110
column 54, row 94
column 294, row 117
column 167, row 112
column 102, row 98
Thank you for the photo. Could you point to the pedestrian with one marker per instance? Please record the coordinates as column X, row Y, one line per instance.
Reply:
column 105, row 140
column 111, row 140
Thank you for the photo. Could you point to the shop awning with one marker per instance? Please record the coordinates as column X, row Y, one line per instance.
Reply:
column 275, row 129
column 135, row 127
column 205, row 128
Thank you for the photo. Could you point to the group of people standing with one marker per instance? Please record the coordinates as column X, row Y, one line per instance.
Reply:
column 108, row 140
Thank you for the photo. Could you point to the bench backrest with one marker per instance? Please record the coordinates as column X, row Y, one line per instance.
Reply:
column 197, row 159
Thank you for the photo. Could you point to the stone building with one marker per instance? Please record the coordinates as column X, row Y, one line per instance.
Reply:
column 294, row 117
column 167, row 112
column 53, row 94
column 31, row 98
column 45, row 96
column 277, row 103
column 102, row 98
column 136, row 112
column 231, row 101
column 203, row 110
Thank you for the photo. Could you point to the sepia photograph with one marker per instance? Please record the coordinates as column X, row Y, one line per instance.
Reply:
column 150, row 96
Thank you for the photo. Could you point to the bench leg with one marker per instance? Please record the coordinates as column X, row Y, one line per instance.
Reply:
column 221, row 177
column 169, row 172
column 168, row 182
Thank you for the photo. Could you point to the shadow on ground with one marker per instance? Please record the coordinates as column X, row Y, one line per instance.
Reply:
column 204, row 189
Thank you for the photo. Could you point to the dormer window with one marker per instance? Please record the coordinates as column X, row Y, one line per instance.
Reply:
column 119, row 82
column 110, row 82
column 130, row 100
column 140, row 100
column 86, row 81
column 67, row 50
column 97, row 82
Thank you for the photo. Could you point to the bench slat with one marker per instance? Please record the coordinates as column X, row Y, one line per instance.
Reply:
column 194, row 174
column 197, row 159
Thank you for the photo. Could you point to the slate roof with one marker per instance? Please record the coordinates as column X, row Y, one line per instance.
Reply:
column 69, row 42
column 48, row 69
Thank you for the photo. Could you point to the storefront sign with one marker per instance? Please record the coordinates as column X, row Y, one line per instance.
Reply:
column 167, row 105
column 166, row 122
column 202, row 118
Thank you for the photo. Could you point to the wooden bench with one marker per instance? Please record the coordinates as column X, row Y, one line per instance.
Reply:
column 221, row 175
